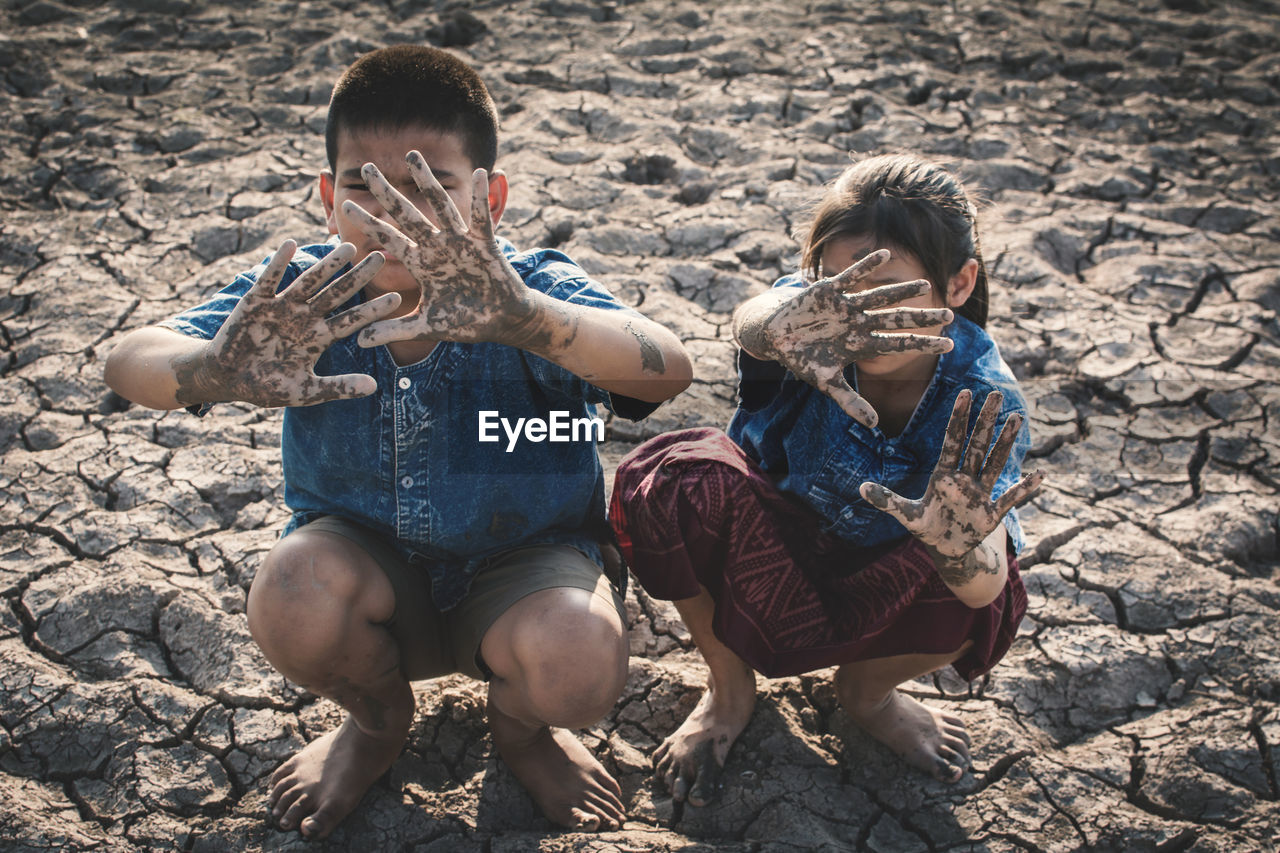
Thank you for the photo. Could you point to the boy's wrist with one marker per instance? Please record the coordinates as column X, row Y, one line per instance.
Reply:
column 198, row 378
column 530, row 322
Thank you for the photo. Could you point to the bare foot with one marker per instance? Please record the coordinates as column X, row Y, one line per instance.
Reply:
column 934, row 741
column 691, row 759
column 315, row 789
column 561, row 774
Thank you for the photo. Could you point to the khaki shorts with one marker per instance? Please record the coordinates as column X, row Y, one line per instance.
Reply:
column 435, row 643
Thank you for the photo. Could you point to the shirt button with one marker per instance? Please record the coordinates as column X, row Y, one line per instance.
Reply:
column 407, row 482
column 404, row 383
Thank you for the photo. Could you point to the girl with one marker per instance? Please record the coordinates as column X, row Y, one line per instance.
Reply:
column 776, row 542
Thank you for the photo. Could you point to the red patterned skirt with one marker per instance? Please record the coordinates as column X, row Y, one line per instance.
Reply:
column 691, row 510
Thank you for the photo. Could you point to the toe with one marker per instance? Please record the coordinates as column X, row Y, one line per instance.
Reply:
column 283, row 772
column 945, row 771
column 584, row 821
column 704, row 791
column 605, row 804
column 320, row 824
column 680, row 789
column 296, row 812
column 607, row 783
column 707, row 785
column 956, row 746
column 283, row 800
column 662, row 764
column 279, row 793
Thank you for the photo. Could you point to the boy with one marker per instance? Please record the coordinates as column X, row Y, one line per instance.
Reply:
column 422, row 542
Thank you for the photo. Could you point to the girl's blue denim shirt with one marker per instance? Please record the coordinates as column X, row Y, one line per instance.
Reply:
column 408, row 462
column 813, row 450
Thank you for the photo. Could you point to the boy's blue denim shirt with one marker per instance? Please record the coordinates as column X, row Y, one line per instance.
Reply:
column 813, row 450
column 407, row 461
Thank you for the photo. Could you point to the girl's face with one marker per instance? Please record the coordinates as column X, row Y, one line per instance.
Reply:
column 844, row 250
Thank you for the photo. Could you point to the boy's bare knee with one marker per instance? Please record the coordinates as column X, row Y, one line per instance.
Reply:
column 308, row 593
column 573, row 667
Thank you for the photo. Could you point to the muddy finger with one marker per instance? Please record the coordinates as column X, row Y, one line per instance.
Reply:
column 983, row 429
column 269, row 278
column 707, row 784
column 908, row 318
column 440, row 202
column 338, row 291
column 952, row 445
column 850, row 402
column 1024, row 491
column 386, row 236
column 904, row 342
column 1000, row 451
column 481, row 217
column 888, row 295
column 855, row 273
column 362, row 315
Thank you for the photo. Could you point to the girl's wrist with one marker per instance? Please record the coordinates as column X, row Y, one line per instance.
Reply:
column 959, row 570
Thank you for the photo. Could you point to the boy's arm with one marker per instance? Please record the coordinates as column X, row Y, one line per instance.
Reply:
column 470, row 292
column 266, row 350
column 818, row 331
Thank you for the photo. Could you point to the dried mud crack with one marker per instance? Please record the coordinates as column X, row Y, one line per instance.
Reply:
column 1127, row 156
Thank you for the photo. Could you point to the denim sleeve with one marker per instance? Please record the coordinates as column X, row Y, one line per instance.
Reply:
column 204, row 320
column 560, row 278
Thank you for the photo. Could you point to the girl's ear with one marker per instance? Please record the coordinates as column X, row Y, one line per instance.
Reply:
column 962, row 284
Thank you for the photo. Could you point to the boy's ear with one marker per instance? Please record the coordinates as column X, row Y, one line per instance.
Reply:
column 498, row 189
column 962, row 284
column 326, row 198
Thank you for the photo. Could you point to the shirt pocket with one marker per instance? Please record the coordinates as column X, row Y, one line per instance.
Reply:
column 833, row 492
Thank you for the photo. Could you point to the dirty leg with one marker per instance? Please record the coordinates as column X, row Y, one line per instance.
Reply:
column 931, row 740
column 690, row 761
column 559, row 661
column 315, row 610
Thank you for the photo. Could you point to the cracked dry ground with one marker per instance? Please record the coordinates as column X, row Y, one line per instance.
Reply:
column 153, row 147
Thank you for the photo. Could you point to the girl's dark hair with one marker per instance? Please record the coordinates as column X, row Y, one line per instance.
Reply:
column 407, row 85
column 906, row 204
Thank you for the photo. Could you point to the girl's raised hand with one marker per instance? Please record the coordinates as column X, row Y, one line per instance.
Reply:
column 824, row 328
column 957, row 513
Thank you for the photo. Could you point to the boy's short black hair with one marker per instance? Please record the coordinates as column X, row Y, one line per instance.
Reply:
column 406, row 85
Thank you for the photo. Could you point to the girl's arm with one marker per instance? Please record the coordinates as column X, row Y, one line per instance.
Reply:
column 956, row 520
column 978, row 576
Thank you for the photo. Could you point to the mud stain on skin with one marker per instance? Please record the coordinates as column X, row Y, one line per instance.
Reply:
column 651, row 360
column 706, row 785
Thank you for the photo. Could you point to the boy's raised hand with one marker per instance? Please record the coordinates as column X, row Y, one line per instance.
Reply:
column 824, row 328
column 957, row 513
column 265, row 353
column 469, row 291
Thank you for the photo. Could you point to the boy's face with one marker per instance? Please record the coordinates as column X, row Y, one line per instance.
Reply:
column 447, row 157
